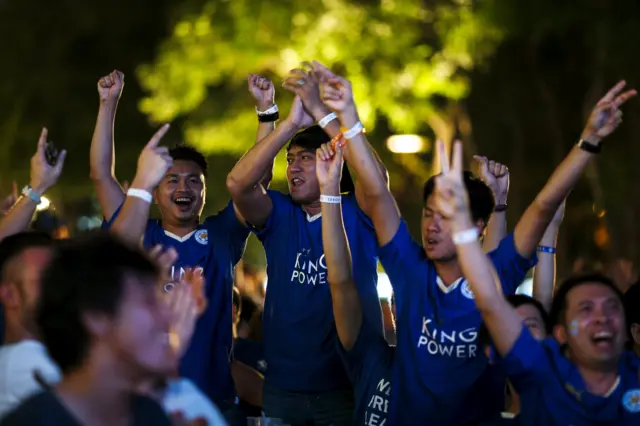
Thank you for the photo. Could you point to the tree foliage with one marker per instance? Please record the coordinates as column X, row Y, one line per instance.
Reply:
column 406, row 60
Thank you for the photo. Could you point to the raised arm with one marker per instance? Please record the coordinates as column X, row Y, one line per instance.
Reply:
column 452, row 203
column 323, row 75
column 153, row 163
column 338, row 95
column 43, row 177
column 604, row 119
column 264, row 93
column 344, row 293
column 243, row 182
column 102, row 156
column 496, row 176
column 544, row 274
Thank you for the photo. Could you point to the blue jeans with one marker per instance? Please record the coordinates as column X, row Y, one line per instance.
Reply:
column 333, row 408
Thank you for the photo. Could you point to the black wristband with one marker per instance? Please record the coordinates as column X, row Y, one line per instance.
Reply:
column 589, row 147
column 500, row 208
column 269, row 118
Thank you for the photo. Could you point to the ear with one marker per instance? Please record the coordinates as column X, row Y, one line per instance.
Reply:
column 96, row 324
column 635, row 333
column 560, row 334
column 481, row 225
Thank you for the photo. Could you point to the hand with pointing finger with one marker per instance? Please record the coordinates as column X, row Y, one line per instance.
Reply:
column 451, row 198
column 44, row 175
column 495, row 175
column 606, row 115
column 153, row 163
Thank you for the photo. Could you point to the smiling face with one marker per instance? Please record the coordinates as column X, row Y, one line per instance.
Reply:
column 301, row 175
column 181, row 193
column 594, row 325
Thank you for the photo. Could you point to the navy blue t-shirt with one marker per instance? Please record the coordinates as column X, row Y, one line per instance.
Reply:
column 370, row 367
column 216, row 246
column 552, row 391
column 440, row 374
column 298, row 325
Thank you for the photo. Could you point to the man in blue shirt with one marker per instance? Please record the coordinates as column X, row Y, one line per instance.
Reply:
column 582, row 375
column 367, row 356
column 305, row 380
column 437, row 354
column 176, row 178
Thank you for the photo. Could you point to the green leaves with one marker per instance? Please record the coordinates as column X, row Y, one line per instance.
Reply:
column 399, row 55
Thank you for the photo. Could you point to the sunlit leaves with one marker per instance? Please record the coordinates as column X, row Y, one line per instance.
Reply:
column 398, row 54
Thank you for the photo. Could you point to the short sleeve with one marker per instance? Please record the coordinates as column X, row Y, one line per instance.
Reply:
column 107, row 224
column 400, row 255
column 511, row 267
column 225, row 224
column 527, row 362
column 152, row 231
column 280, row 203
column 25, row 361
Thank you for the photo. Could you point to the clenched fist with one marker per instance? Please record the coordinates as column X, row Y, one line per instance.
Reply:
column 110, row 87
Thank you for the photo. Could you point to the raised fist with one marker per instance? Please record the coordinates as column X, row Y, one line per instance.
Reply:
column 262, row 90
column 110, row 87
column 495, row 175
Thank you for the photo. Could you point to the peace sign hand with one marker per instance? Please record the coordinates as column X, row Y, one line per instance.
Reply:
column 606, row 116
column 153, row 163
column 451, row 198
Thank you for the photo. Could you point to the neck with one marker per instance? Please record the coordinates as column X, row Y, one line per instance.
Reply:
column 98, row 393
column 15, row 332
column 448, row 271
column 599, row 381
column 312, row 209
column 181, row 229
column 636, row 350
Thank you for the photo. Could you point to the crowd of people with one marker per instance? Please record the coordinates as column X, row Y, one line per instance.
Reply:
column 141, row 323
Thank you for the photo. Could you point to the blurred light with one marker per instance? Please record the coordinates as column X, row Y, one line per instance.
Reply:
column 526, row 287
column 45, row 203
column 405, row 144
column 385, row 291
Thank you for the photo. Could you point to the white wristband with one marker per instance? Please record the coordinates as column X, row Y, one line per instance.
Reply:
column 268, row 111
column 330, row 199
column 140, row 193
column 327, row 119
column 466, row 237
column 354, row 131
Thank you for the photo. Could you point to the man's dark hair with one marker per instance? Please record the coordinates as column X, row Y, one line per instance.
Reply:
column 516, row 300
column 632, row 304
column 14, row 245
column 559, row 305
column 189, row 153
column 310, row 139
column 85, row 275
column 481, row 199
